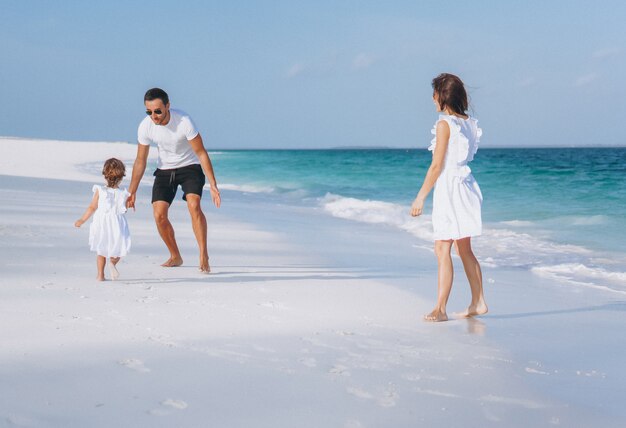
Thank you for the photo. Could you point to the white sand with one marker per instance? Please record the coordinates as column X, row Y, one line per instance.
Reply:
column 307, row 321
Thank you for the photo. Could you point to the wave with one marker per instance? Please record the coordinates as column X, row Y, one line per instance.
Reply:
column 509, row 248
column 506, row 248
column 594, row 220
column 580, row 274
column 518, row 223
column 377, row 212
column 246, row 188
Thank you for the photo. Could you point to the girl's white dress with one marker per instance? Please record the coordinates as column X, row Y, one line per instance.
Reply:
column 457, row 198
column 108, row 234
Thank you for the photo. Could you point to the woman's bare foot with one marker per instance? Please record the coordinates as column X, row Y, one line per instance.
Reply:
column 204, row 266
column 474, row 310
column 436, row 316
column 173, row 262
column 100, row 277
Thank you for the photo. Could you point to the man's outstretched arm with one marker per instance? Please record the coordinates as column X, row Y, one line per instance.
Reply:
column 139, row 167
column 198, row 147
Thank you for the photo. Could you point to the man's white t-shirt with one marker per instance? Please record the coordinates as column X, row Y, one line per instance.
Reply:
column 172, row 139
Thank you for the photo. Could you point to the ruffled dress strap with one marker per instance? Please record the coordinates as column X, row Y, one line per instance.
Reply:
column 467, row 147
column 454, row 128
column 464, row 148
column 121, row 197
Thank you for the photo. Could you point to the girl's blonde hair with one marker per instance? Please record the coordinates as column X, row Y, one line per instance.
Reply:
column 113, row 171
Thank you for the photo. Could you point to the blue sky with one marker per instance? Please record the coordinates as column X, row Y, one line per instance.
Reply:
column 316, row 74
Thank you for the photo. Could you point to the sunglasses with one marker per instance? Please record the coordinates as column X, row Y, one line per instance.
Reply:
column 158, row 112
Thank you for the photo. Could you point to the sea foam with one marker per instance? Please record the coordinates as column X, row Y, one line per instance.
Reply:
column 580, row 274
column 497, row 247
column 377, row 212
column 246, row 188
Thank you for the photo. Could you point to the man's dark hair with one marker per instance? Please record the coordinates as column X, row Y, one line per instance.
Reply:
column 156, row 93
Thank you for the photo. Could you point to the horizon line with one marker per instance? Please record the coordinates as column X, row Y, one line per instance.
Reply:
column 355, row 147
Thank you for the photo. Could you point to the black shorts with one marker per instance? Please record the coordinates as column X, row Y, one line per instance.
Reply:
column 166, row 181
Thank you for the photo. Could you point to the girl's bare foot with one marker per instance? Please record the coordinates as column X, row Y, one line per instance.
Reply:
column 173, row 262
column 474, row 310
column 436, row 316
column 114, row 272
column 113, row 269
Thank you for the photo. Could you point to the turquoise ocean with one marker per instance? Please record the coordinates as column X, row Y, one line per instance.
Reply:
column 560, row 213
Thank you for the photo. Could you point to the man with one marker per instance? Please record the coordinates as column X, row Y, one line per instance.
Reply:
column 181, row 161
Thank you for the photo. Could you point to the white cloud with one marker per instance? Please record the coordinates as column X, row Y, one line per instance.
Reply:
column 317, row 67
column 330, row 63
column 607, row 52
column 296, row 70
column 363, row 60
column 529, row 81
column 586, row 79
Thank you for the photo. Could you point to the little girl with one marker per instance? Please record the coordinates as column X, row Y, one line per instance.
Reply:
column 109, row 236
column 457, row 198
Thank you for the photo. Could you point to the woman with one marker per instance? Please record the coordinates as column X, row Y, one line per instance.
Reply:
column 457, row 198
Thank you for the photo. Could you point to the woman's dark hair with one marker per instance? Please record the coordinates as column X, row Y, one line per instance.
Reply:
column 450, row 93
column 113, row 171
column 156, row 93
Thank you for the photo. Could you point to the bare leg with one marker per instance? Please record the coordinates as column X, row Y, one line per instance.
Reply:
column 160, row 210
column 198, row 222
column 113, row 268
column 445, row 274
column 474, row 276
column 101, row 261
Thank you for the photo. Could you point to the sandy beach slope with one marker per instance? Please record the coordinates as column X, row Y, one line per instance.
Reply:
column 306, row 321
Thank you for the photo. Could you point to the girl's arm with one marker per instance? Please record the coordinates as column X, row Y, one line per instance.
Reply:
column 89, row 211
column 441, row 147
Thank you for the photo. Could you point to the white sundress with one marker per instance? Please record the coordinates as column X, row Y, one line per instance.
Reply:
column 457, row 199
column 108, row 234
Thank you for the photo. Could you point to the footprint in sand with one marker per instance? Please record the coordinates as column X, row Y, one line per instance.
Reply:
column 273, row 305
column 308, row 362
column 168, row 406
column 412, row 377
column 339, row 370
column 592, row 373
column 521, row 402
column 535, row 371
column 20, row 421
column 134, row 364
column 389, row 398
column 359, row 393
column 175, row 404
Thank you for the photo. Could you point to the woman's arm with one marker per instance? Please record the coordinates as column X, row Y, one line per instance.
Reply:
column 439, row 157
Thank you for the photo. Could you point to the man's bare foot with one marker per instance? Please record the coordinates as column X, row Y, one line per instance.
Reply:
column 474, row 310
column 436, row 316
column 173, row 262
